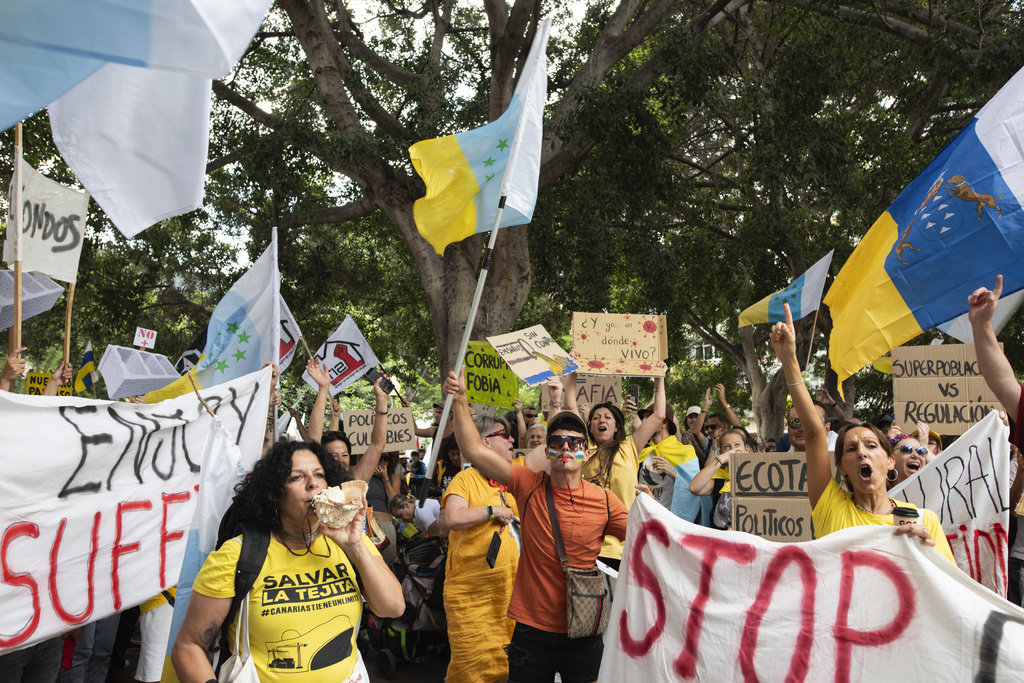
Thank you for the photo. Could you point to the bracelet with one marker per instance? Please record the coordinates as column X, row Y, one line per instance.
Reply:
column 380, row 412
column 802, row 381
column 556, row 405
column 490, row 513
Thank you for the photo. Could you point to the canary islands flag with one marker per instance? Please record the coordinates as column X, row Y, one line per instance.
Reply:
column 467, row 174
column 86, row 375
column 953, row 229
column 803, row 296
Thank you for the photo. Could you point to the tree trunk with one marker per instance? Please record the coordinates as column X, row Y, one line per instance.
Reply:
column 450, row 283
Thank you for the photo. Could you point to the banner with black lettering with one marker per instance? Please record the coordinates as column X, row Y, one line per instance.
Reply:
column 968, row 487
column 96, row 498
column 859, row 604
column 51, row 218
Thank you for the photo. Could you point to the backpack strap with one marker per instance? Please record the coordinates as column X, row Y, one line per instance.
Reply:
column 255, row 543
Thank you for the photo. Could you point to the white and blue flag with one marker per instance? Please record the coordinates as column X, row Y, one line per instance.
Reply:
column 803, row 296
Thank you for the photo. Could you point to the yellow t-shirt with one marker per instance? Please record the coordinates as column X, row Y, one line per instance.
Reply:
column 157, row 600
column 622, row 483
column 304, row 611
column 836, row 510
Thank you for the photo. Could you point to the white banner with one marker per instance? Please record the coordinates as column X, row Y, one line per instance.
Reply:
column 52, row 221
column 968, row 487
column 96, row 498
column 348, row 356
column 860, row 604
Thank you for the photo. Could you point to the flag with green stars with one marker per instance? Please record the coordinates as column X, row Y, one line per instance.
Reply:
column 803, row 296
column 467, row 174
column 244, row 330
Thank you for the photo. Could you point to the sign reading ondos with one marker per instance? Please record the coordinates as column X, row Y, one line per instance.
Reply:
column 940, row 385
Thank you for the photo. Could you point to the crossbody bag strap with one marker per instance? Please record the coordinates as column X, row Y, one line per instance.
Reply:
column 556, row 530
column 608, row 514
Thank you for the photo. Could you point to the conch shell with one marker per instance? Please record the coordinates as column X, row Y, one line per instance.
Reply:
column 338, row 505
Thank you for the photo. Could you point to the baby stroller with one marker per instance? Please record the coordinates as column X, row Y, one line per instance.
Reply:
column 420, row 632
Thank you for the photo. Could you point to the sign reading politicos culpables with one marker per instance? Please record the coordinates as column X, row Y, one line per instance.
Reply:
column 489, row 380
column 860, row 604
column 940, row 385
column 100, row 525
column 769, row 496
column 358, row 425
column 614, row 344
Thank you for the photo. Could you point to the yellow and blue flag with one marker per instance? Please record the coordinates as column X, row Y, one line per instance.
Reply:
column 953, row 229
column 802, row 294
column 86, row 375
column 467, row 174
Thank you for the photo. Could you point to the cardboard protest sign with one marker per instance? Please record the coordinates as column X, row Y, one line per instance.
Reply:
column 613, row 344
column 591, row 389
column 35, row 382
column 51, row 218
column 38, row 295
column 348, row 356
column 144, row 338
column 358, row 424
column 939, row 385
column 968, row 487
column 769, row 496
column 859, row 604
column 489, row 380
column 533, row 355
column 95, row 522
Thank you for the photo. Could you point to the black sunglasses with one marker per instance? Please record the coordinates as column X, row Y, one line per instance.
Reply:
column 575, row 442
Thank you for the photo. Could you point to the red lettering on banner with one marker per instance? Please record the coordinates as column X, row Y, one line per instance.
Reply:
column 1002, row 541
column 845, row 636
column 22, row 579
column 119, row 550
column 798, row 665
column 645, row 578
column 967, row 551
column 165, row 537
column 69, row 618
column 712, row 548
column 973, row 556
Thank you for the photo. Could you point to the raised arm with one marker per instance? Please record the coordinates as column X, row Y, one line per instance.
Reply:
column 992, row 362
column 303, row 434
column 489, row 463
column 12, row 369
column 335, row 422
column 649, row 427
column 816, row 443
column 836, row 410
column 729, row 413
column 698, row 424
column 521, row 424
column 568, row 397
column 367, row 464
column 315, row 430
column 703, row 483
column 60, row 377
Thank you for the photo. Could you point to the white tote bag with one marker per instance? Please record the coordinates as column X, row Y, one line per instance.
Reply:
column 240, row 667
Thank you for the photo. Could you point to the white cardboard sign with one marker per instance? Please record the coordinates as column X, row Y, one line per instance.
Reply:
column 144, row 339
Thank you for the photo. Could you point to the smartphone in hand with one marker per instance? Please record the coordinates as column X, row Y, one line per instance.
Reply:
column 385, row 384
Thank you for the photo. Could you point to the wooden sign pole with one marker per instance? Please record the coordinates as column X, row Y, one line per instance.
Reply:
column 67, row 323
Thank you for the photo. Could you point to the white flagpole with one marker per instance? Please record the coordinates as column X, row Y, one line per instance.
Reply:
column 275, row 335
column 14, row 337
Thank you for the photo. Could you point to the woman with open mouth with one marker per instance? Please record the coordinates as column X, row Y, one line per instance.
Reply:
column 910, row 456
column 864, row 460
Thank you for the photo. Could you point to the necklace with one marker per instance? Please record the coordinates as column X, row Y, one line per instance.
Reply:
column 892, row 506
column 304, row 539
column 572, row 499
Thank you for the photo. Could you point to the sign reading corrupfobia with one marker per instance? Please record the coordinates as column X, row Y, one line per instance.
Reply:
column 941, row 386
column 93, row 520
column 769, row 495
column 859, row 604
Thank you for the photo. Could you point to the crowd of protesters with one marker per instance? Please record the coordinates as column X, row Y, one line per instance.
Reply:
column 501, row 519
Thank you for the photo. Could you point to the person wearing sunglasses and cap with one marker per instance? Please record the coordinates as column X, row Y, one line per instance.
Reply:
column 540, row 646
column 910, row 456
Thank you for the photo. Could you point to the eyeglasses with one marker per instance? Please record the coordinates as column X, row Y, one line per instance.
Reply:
column 501, row 433
column 577, row 443
column 907, row 448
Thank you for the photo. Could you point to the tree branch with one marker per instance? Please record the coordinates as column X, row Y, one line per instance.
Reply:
column 361, row 51
column 335, row 214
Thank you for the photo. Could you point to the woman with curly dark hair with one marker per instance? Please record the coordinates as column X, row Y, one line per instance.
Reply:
column 305, row 605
